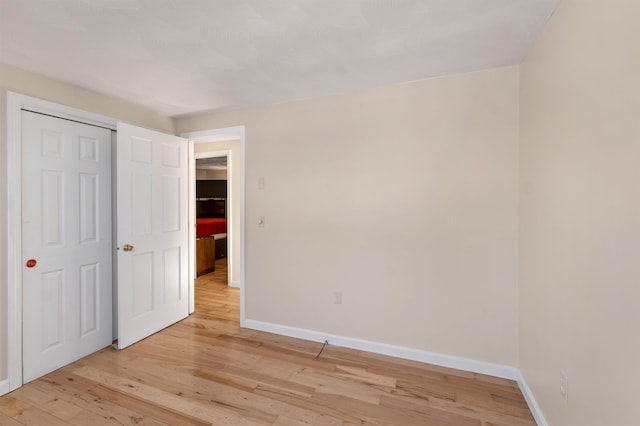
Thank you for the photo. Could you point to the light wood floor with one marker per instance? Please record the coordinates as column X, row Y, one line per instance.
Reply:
column 206, row 370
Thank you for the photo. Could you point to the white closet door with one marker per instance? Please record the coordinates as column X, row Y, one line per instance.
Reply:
column 66, row 240
column 152, row 205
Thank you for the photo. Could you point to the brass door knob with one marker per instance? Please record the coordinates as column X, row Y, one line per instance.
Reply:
column 127, row 247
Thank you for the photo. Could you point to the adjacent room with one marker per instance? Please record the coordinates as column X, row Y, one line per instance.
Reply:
column 399, row 212
column 211, row 212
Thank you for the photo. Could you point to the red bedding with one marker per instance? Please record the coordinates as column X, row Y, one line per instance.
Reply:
column 206, row 227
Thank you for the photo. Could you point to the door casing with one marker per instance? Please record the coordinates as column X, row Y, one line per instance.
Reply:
column 217, row 135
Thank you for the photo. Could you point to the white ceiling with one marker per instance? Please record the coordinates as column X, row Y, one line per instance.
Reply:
column 181, row 57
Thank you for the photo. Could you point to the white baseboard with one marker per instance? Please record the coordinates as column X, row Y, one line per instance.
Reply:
column 531, row 401
column 449, row 361
column 235, row 284
column 4, row 386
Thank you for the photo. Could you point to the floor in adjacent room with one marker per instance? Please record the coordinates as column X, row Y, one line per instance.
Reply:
column 207, row 370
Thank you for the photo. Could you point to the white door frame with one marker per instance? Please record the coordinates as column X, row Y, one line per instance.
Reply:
column 217, row 135
column 15, row 103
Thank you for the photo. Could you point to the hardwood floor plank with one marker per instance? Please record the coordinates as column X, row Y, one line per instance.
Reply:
column 150, row 411
column 312, row 404
column 190, row 384
column 8, row 421
column 81, row 392
column 47, row 402
column 34, row 416
column 362, row 375
column 384, row 415
column 11, row 406
column 234, row 375
column 469, row 411
column 207, row 370
column 213, row 413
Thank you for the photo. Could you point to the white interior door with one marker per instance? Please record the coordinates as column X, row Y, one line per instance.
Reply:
column 66, row 242
column 152, row 206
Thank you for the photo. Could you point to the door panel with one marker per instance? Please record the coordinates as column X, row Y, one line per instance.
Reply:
column 88, row 208
column 53, row 204
column 53, row 307
column 89, row 298
column 152, row 220
column 66, row 215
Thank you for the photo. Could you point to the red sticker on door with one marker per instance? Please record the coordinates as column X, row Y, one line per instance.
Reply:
column 31, row 263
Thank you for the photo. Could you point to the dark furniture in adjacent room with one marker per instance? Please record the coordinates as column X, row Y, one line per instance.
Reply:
column 211, row 233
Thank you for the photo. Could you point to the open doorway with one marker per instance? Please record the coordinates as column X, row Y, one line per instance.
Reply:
column 215, row 295
column 213, row 212
column 217, row 192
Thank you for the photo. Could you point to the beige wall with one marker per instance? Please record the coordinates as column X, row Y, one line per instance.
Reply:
column 211, row 174
column 580, row 214
column 26, row 83
column 234, row 206
column 404, row 198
